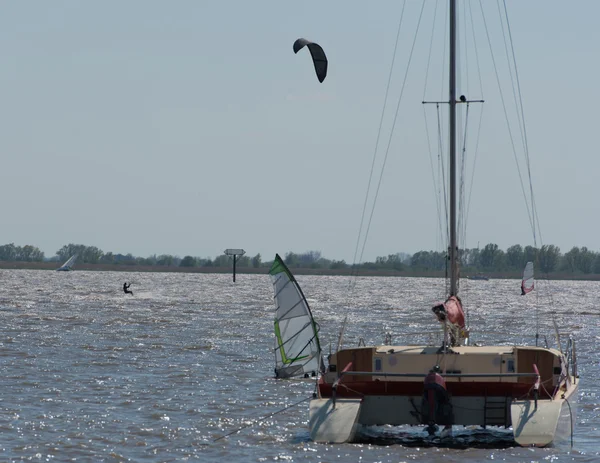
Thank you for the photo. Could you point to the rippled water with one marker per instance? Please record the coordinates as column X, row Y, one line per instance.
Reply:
column 88, row 373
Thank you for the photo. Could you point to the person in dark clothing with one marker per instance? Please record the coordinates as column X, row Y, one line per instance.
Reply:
column 126, row 288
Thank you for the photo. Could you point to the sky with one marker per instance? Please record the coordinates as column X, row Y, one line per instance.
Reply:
column 189, row 127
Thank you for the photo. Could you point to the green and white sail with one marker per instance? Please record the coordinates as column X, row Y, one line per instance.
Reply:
column 297, row 348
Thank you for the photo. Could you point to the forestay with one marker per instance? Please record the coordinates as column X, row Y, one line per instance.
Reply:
column 297, row 348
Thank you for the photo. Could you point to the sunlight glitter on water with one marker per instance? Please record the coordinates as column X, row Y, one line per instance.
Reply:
column 88, row 373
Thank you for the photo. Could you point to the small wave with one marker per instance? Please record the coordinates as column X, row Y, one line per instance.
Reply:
column 199, row 347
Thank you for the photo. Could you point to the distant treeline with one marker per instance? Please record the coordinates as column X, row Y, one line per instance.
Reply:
column 547, row 259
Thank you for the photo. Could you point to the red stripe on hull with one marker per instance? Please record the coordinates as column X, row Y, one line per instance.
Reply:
column 357, row 389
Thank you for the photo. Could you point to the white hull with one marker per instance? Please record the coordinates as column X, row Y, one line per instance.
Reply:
column 551, row 423
column 331, row 422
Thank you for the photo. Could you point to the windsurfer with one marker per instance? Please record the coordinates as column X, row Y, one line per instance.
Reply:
column 126, row 288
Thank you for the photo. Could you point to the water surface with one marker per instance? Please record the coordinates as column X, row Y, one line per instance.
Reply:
column 88, row 373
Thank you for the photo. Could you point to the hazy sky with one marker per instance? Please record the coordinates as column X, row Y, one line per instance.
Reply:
column 189, row 127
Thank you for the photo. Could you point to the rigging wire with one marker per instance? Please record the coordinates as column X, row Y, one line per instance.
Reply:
column 443, row 173
column 435, row 182
column 536, row 228
column 444, row 54
column 441, row 133
column 511, row 71
column 441, row 128
column 472, row 181
column 354, row 272
column 392, row 131
column 465, row 194
column 461, row 229
column 439, row 178
column 466, row 48
column 476, row 149
column 526, row 144
column 462, row 178
column 502, row 99
column 387, row 90
column 437, row 194
column 444, row 194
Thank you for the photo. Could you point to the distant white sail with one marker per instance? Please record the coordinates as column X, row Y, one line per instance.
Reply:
column 68, row 264
column 297, row 348
column 528, row 282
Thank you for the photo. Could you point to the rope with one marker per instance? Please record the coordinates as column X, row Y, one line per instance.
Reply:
column 351, row 390
column 260, row 420
column 571, row 417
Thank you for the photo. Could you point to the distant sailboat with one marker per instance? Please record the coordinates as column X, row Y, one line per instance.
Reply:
column 297, row 347
column 68, row 264
column 527, row 283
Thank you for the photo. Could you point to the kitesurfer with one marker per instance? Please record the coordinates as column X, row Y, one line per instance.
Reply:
column 126, row 288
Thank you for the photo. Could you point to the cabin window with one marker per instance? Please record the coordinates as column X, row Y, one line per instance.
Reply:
column 510, row 367
column 377, row 364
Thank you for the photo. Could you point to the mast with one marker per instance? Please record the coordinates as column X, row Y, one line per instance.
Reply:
column 452, row 130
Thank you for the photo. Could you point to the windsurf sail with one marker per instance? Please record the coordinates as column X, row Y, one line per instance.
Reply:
column 297, row 349
column 68, row 264
column 528, row 282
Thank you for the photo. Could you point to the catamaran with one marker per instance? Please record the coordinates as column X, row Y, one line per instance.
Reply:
column 529, row 389
column 297, row 348
column 68, row 265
